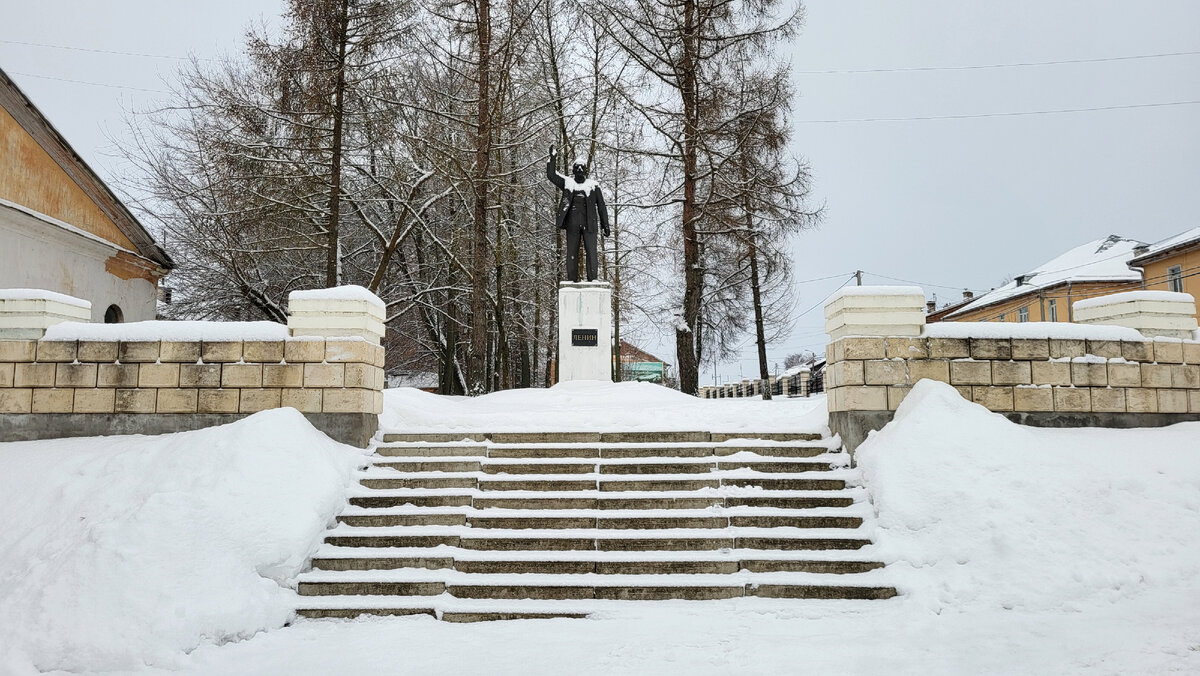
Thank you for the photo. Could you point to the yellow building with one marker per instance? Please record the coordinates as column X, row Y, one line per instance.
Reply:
column 1045, row 294
column 1172, row 264
column 61, row 228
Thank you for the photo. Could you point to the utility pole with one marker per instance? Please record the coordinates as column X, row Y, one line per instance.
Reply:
column 858, row 277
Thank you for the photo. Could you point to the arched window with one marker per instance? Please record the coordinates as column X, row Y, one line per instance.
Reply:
column 113, row 315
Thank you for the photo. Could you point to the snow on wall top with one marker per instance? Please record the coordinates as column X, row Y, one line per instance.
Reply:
column 1058, row 330
column 171, row 331
column 1101, row 260
column 347, row 292
column 1185, row 237
column 1130, row 296
column 42, row 294
column 876, row 291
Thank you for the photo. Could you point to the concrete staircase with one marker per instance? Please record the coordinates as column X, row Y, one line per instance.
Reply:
column 503, row 526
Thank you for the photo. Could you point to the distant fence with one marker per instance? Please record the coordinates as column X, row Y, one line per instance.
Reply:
column 803, row 383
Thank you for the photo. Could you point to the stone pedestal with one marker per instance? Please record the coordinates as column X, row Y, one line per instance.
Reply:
column 25, row 314
column 340, row 312
column 1153, row 313
column 584, row 331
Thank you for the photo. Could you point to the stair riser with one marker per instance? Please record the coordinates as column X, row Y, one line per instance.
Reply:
column 432, row 466
column 589, row 544
column 548, row 452
column 432, row 451
column 351, row 613
column 556, row 468
column 601, row 567
column 387, row 520
column 415, row 501
column 371, row 588
column 429, row 563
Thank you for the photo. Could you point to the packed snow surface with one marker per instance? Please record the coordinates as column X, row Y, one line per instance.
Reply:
column 1017, row 551
column 128, row 550
column 587, row 405
column 168, row 330
column 347, row 292
column 976, row 512
column 42, row 294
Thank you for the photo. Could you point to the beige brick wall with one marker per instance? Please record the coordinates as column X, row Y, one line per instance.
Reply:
column 311, row 375
column 1150, row 376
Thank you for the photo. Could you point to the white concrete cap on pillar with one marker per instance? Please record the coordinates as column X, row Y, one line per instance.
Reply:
column 875, row 311
column 1153, row 313
column 25, row 314
column 584, row 331
column 340, row 312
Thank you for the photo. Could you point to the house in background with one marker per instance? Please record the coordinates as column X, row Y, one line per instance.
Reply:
column 61, row 228
column 1098, row 268
column 637, row 364
column 1172, row 264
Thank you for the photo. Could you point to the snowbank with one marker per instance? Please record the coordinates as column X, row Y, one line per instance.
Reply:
column 168, row 330
column 598, row 406
column 975, row 511
column 122, row 551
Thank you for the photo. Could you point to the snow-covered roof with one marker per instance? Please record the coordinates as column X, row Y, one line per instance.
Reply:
column 1185, row 238
column 1101, row 260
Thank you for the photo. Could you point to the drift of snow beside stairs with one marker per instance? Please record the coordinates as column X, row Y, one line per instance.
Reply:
column 976, row 512
column 128, row 550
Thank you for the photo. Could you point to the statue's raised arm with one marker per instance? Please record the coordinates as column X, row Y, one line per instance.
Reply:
column 552, row 173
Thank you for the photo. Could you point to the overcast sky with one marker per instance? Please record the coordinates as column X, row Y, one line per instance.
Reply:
column 957, row 203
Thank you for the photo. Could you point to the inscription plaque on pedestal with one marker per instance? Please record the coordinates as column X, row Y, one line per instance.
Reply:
column 585, row 337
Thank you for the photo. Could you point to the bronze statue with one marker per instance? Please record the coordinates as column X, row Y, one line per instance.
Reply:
column 581, row 212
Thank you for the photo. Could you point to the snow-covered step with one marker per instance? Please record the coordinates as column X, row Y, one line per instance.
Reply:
column 545, row 521
column 548, row 437
column 549, row 563
column 697, row 586
column 607, row 501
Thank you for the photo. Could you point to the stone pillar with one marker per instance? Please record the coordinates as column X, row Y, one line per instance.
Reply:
column 340, row 312
column 1153, row 313
column 875, row 311
column 805, row 374
column 25, row 314
column 584, row 331
column 865, row 314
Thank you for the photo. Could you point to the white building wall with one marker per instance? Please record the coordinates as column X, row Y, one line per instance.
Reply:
column 42, row 253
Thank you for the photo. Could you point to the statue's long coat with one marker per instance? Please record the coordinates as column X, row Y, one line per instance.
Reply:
column 595, row 215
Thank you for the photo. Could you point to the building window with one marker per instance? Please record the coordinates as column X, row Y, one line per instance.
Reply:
column 1023, row 314
column 113, row 315
column 1175, row 278
column 1001, row 319
column 1053, row 310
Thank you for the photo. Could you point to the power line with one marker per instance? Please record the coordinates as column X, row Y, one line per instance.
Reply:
column 1016, row 113
column 101, row 51
column 94, row 84
column 1019, row 64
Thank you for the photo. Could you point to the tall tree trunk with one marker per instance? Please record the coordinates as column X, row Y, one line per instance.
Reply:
column 687, row 347
column 477, row 357
column 760, row 334
column 333, row 271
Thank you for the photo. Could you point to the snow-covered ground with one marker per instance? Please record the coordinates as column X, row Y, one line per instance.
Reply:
column 1017, row 551
column 121, row 551
column 595, row 406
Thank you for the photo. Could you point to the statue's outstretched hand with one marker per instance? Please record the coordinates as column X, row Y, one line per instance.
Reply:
column 606, row 232
column 552, row 153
